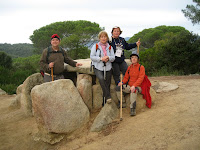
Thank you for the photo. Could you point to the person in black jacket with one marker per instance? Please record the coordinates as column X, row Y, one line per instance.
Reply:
column 119, row 44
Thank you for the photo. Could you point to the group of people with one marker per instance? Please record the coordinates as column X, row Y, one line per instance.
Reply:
column 107, row 59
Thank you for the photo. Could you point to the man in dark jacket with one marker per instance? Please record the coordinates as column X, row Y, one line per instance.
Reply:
column 54, row 57
column 119, row 44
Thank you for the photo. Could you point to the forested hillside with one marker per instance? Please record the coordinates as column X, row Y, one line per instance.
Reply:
column 17, row 50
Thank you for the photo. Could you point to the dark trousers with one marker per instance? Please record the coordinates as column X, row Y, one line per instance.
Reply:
column 117, row 68
column 105, row 84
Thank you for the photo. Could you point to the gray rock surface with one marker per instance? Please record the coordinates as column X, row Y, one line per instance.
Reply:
column 58, row 107
column 165, row 87
column 107, row 114
column 25, row 99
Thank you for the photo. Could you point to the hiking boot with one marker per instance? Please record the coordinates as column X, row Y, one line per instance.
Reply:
column 133, row 112
column 109, row 101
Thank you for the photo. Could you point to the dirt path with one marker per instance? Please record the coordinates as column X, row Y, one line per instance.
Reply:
column 173, row 122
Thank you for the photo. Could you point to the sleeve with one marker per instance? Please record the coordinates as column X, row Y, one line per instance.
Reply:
column 68, row 60
column 93, row 54
column 43, row 62
column 126, row 76
column 141, row 77
column 129, row 46
column 112, row 57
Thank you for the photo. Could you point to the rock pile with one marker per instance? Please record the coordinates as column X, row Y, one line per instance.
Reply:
column 62, row 107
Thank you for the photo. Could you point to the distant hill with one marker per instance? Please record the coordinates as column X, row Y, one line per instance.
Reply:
column 17, row 50
column 127, row 38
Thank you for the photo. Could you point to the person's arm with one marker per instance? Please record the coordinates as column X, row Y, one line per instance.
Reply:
column 44, row 66
column 126, row 76
column 112, row 56
column 93, row 54
column 69, row 61
column 129, row 46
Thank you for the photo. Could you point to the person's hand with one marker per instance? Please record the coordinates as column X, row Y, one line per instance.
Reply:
column 78, row 64
column 105, row 59
column 138, row 43
column 132, row 89
column 51, row 65
column 120, row 83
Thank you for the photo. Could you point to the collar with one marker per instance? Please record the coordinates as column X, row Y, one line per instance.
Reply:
column 133, row 65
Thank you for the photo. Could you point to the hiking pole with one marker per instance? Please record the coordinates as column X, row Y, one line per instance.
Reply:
column 104, row 69
column 121, row 98
column 138, row 47
column 52, row 73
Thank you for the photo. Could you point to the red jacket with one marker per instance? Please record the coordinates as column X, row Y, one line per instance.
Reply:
column 145, row 86
column 134, row 76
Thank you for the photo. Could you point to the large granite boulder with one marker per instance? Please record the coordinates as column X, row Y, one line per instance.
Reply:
column 164, row 87
column 107, row 114
column 97, row 97
column 84, row 87
column 85, row 69
column 84, row 76
column 58, row 107
column 16, row 103
column 25, row 98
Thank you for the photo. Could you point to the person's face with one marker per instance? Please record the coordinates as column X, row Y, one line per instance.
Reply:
column 103, row 39
column 116, row 33
column 55, row 42
column 134, row 59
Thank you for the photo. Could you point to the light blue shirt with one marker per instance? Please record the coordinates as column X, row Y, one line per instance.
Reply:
column 96, row 55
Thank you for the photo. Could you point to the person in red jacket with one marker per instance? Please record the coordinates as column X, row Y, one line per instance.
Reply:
column 134, row 76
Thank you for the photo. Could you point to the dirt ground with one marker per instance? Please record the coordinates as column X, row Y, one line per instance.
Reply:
column 173, row 123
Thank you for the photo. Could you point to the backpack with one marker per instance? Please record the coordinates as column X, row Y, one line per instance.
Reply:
column 97, row 47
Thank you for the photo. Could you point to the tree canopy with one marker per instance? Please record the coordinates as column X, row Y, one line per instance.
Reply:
column 17, row 50
column 174, row 52
column 149, row 36
column 75, row 35
column 5, row 60
column 193, row 12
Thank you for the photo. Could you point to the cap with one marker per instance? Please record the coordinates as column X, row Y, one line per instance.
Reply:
column 134, row 54
column 55, row 36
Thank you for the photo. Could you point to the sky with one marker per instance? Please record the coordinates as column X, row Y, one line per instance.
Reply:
column 19, row 18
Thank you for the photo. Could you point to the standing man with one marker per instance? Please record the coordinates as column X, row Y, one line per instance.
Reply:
column 54, row 57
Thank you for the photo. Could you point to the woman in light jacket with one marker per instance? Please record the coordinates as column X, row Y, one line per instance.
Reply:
column 102, row 56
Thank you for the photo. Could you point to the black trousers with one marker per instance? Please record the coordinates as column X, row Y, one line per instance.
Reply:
column 105, row 84
column 117, row 68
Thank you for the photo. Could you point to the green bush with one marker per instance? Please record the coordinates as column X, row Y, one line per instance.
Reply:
column 9, row 88
column 11, row 78
column 164, row 71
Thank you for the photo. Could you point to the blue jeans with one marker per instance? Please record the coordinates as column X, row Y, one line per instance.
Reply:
column 117, row 68
column 105, row 84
